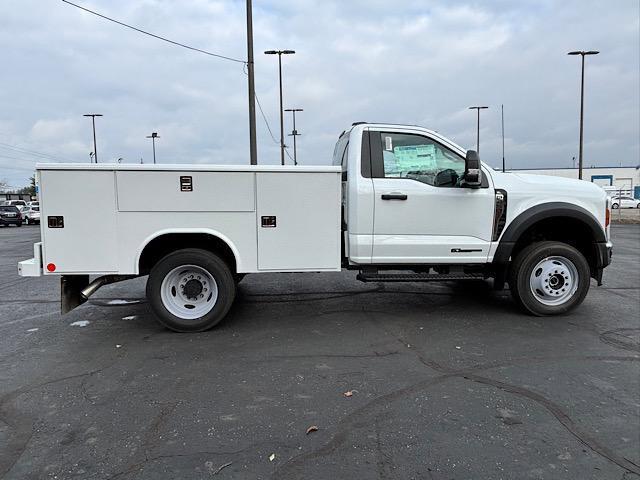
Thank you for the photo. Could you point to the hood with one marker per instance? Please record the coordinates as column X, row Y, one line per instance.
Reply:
column 528, row 182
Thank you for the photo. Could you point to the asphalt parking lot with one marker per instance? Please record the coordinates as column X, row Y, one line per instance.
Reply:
column 448, row 381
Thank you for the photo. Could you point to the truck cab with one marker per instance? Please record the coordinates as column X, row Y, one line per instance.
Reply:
column 408, row 204
column 406, row 199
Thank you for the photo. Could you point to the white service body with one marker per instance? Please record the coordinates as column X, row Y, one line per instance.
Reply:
column 111, row 212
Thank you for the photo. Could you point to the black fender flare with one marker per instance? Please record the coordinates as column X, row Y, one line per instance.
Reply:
column 529, row 217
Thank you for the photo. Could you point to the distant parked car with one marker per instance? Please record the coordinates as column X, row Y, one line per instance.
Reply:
column 31, row 214
column 624, row 202
column 17, row 203
column 10, row 215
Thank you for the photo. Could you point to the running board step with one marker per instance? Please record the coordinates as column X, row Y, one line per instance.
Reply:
column 417, row 277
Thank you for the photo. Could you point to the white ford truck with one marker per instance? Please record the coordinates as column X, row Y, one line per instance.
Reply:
column 400, row 204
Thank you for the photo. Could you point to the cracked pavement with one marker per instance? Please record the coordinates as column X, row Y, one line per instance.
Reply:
column 449, row 381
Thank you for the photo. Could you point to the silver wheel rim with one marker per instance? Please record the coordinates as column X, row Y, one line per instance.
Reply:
column 189, row 292
column 554, row 280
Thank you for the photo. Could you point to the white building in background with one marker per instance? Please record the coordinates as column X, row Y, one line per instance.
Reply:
column 615, row 180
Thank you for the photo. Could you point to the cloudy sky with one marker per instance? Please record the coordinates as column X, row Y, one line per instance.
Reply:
column 409, row 61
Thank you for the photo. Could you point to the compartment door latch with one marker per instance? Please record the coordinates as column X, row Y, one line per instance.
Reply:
column 269, row 221
column 186, row 184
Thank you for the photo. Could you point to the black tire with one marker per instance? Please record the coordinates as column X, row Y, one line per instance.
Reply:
column 521, row 271
column 206, row 260
column 19, row 224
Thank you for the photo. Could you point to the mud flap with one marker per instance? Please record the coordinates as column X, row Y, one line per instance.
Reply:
column 70, row 287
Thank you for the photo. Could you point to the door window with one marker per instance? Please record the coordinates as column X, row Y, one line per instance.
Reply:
column 420, row 158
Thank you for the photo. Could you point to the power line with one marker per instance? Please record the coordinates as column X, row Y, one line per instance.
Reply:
column 286, row 150
column 29, row 152
column 266, row 122
column 231, row 59
column 264, row 117
column 9, row 157
column 17, row 166
column 244, row 62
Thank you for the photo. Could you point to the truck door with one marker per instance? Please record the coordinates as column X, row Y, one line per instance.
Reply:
column 421, row 213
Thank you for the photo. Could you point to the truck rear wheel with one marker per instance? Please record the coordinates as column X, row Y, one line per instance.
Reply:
column 549, row 278
column 190, row 290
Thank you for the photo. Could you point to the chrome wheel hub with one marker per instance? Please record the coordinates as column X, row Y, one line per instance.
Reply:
column 554, row 280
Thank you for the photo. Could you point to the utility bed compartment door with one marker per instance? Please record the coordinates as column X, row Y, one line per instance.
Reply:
column 207, row 191
column 86, row 201
column 298, row 221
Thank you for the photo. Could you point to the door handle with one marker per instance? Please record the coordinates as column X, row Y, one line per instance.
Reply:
column 394, row 196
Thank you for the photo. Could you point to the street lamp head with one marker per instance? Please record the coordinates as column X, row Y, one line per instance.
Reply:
column 478, row 108
column 294, row 110
column 581, row 52
column 92, row 115
column 153, row 135
column 279, row 52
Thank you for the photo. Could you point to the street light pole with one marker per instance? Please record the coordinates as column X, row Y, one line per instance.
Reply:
column 153, row 137
column 93, row 121
column 503, row 163
column 253, row 146
column 280, row 53
column 478, row 132
column 582, row 54
column 294, row 133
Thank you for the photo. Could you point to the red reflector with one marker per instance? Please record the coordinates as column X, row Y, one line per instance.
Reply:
column 51, row 267
column 607, row 220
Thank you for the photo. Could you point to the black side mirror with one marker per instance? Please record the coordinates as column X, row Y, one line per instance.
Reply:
column 472, row 170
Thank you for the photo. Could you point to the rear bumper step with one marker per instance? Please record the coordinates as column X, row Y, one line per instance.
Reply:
column 418, row 277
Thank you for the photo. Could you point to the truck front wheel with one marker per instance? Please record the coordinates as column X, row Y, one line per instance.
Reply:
column 549, row 278
column 190, row 290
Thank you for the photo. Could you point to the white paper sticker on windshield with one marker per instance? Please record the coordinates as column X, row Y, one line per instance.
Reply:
column 388, row 143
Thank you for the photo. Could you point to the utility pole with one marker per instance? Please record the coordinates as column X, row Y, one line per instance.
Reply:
column 280, row 53
column 503, row 163
column 294, row 133
column 582, row 54
column 153, row 137
column 253, row 146
column 478, row 133
column 93, row 121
